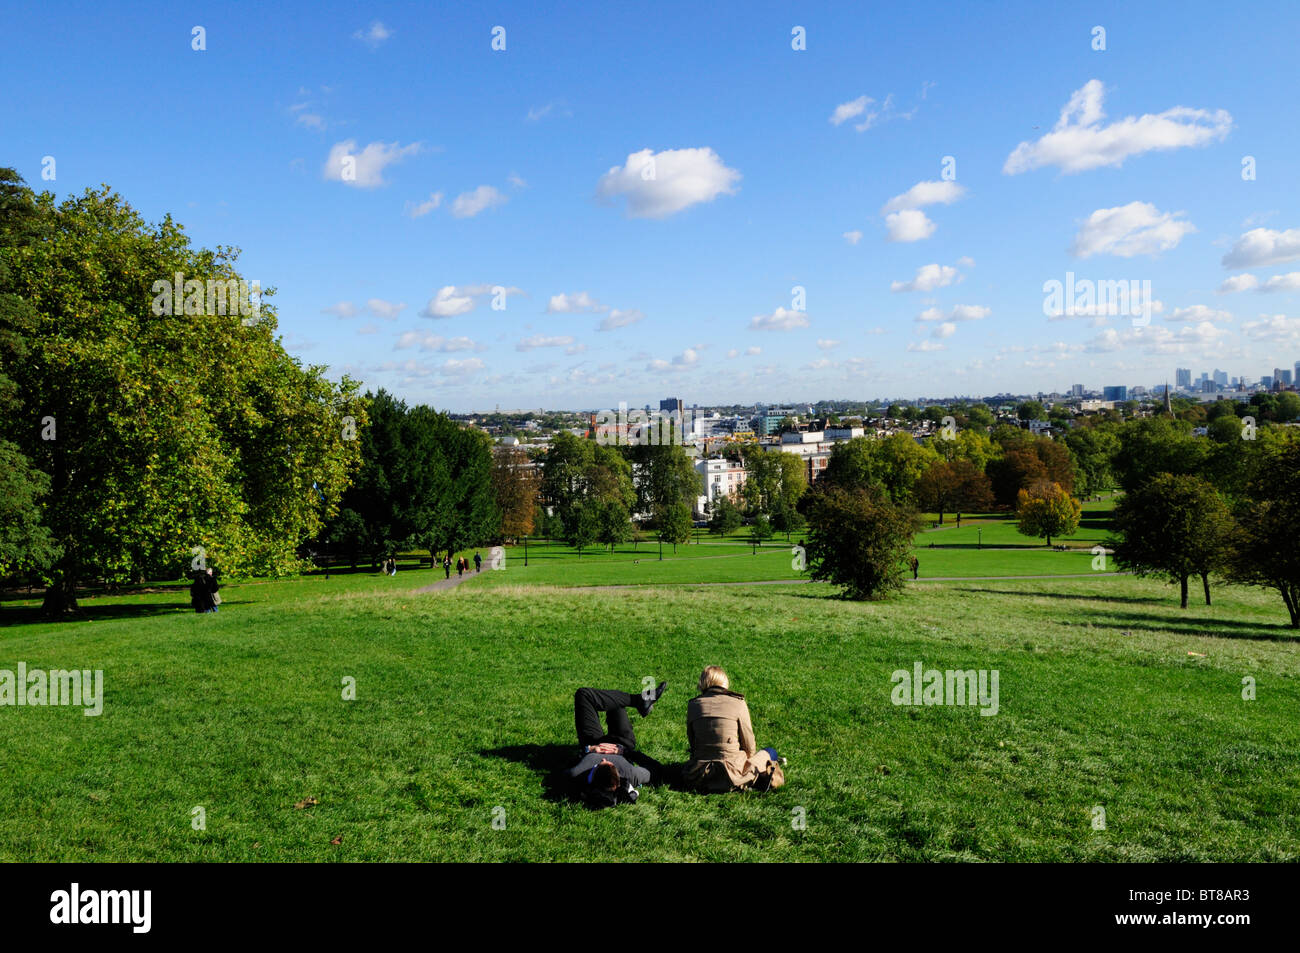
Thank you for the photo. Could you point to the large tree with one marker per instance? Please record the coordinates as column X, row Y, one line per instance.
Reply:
column 858, row 540
column 959, row 485
column 1176, row 526
column 515, row 485
column 1266, row 548
column 173, row 439
column 1047, row 509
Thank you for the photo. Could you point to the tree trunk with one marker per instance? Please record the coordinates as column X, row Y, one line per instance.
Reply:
column 1205, row 581
column 60, row 596
column 1049, row 542
column 1183, row 581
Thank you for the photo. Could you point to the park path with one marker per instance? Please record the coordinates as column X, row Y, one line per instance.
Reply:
column 795, row 582
column 442, row 584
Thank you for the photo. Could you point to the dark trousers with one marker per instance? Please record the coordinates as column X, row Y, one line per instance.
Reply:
column 588, row 703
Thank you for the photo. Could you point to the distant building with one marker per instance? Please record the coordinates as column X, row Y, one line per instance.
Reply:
column 1115, row 393
column 1282, row 376
column 1076, row 390
column 671, row 405
column 1209, row 387
column 1220, row 377
column 770, row 421
column 1183, row 378
column 721, row 477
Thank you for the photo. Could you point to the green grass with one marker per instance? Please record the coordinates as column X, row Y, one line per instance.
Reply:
column 464, row 700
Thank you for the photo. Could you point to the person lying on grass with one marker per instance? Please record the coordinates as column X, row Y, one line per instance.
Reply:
column 606, row 774
column 724, row 756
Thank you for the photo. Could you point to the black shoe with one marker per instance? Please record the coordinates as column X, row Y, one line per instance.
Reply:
column 645, row 706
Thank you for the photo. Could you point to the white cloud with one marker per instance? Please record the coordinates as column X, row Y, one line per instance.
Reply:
column 962, row 312
column 344, row 309
column 1191, row 338
column 1079, row 142
column 936, row 192
column 514, row 179
column 925, row 346
column 436, row 342
column 373, row 35
column 385, row 309
column 853, row 237
column 420, row 209
column 550, row 109
column 687, row 359
column 311, row 120
column 466, row 367
column 1287, row 282
column 569, row 304
column 448, row 303
column 779, row 320
column 928, row 277
column 1138, row 228
column 1198, row 313
column 846, row 111
column 620, row 319
column 1278, row 328
column 657, row 185
column 469, row 204
column 1263, row 246
column 541, row 340
column 945, row 330
column 1245, row 282
column 366, row 168
column 827, row 344
column 909, row 225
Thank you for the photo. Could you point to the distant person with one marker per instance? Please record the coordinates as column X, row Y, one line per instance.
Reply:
column 605, row 775
column 478, row 563
column 446, row 564
column 210, row 580
column 200, row 598
column 959, row 521
column 724, row 756
column 460, row 566
column 914, row 564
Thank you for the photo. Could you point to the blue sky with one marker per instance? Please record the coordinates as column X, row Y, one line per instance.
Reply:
column 526, row 169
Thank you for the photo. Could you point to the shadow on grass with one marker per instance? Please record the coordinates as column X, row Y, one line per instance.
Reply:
column 1207, row 628
column 1080, row 597
column 552, row 761
column 90, row 612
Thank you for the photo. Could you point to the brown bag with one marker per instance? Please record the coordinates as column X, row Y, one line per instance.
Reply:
column 770, row 778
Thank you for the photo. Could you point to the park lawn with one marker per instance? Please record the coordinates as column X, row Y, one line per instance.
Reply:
column 464, row 702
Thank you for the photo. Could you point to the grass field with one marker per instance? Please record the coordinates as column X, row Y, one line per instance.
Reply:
column 464, row 705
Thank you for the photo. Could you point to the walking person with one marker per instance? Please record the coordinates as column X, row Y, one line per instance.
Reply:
column 460, row 566
column 478, row 563
column 200, row 595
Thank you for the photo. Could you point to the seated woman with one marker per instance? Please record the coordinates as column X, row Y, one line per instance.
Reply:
column 723, row 754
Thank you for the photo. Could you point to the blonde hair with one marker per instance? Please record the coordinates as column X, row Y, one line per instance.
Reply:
column 713, row 677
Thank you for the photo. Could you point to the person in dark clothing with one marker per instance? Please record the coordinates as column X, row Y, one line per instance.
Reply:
column 202, row 589
column 446, row 564
column 210, row 580
column 478, row 563
column 606, row 773
column 914, row 564
column 460, row 566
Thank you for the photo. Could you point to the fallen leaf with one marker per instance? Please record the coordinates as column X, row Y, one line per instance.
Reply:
column 1197, row 654
column 306, row 802
column 338, row 840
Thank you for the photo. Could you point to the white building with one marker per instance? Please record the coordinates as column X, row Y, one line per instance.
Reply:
column 721, row 477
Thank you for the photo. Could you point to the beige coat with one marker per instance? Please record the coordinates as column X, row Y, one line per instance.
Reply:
column 724, row 756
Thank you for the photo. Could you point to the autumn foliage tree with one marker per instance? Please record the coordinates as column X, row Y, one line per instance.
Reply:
column 515, row 484
column 1047, row 510
column 957, row 485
